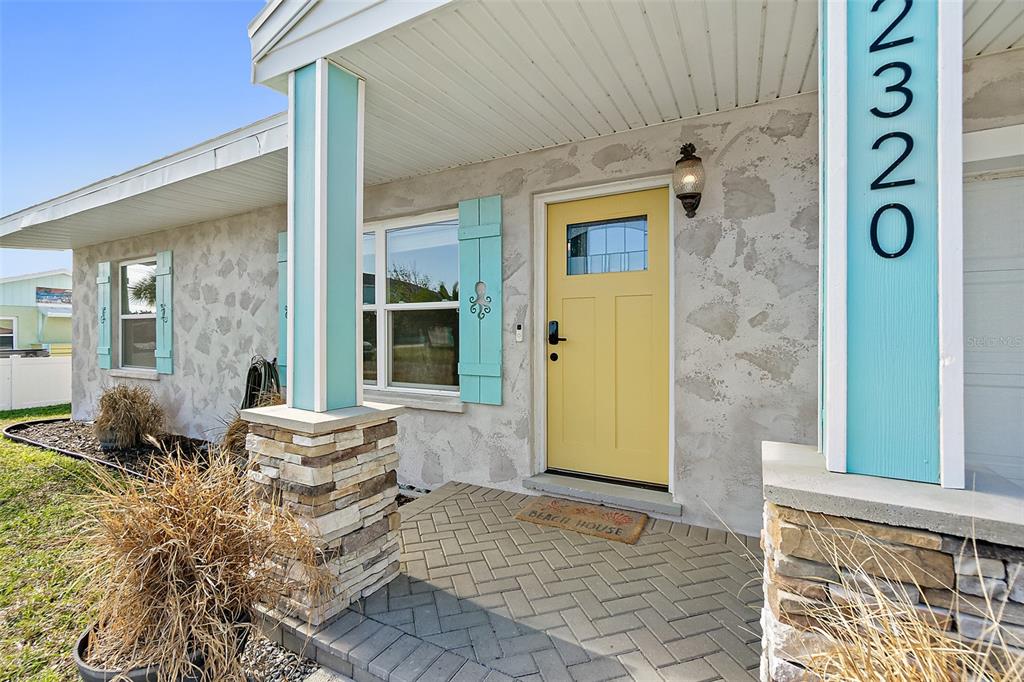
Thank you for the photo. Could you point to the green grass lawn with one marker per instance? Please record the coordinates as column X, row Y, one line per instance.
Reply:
column 44, row 605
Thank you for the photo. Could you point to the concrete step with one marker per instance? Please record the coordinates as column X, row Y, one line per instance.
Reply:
column 653, row 502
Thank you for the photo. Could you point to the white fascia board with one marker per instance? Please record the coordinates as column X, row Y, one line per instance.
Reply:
column 260, row 19
column 35, row 275
column 323, row 29
column 994, row 143
column 257, row 139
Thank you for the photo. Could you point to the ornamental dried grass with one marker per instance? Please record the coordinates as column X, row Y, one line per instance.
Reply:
column 127, row 415
column 180, row 559
column 880, row 632
column 236, row 429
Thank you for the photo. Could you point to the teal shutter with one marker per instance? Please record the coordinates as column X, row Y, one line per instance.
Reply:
column 480, row 295
column 282, row 306
column 164, row 313
column 103, row 315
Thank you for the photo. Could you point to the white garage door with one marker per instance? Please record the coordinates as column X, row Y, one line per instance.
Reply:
column 994, row 332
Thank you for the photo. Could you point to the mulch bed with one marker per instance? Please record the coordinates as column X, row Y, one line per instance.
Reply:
column 78, row 437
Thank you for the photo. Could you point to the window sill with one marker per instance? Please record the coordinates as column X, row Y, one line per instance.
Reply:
column 126, row 373
column 416, row 401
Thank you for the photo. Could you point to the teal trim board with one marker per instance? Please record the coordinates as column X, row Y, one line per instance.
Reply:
column 282, row 307
column 303, row 196
column 892, row 233
column 823, row 10
column 344, row 189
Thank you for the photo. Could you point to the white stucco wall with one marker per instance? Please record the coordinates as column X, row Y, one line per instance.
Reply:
column 746, row 301
column 225, row 310
column 745, row 289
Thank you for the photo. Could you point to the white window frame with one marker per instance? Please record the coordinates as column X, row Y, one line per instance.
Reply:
column 131, row 316
column 14, row 331
column 383, row 309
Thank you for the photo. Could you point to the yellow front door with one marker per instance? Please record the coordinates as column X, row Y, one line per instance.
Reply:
column 608, row 383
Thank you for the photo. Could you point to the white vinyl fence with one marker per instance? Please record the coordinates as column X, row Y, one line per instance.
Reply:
column 34, row 382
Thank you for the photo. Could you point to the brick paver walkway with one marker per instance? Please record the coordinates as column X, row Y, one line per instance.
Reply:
column 540, row 603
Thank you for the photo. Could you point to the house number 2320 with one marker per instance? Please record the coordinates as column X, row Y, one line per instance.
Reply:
column 899, row 72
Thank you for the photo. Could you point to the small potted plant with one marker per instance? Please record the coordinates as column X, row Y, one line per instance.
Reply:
column 127, row 416
column 180, row 560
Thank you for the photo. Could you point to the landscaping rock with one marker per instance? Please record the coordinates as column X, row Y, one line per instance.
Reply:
column 269, row 662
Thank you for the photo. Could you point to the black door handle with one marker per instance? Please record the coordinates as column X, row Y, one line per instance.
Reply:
column 553, row 337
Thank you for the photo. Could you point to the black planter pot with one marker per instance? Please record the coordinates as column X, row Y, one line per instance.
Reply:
column 149, row 673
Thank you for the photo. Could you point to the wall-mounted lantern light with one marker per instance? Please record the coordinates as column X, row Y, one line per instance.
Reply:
column 688, row 179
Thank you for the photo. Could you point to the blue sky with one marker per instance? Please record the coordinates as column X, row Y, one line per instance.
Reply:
column 92, row 89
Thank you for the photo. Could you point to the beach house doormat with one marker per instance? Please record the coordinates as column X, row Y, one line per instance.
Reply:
column 589, row 519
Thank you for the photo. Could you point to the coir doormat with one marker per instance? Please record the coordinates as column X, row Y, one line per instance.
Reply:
column 589, row 519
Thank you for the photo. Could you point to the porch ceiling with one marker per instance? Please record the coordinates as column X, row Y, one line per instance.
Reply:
column 471, row 81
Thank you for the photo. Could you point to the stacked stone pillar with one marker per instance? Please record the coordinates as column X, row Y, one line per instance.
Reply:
column 338, row 472
column 968, row 590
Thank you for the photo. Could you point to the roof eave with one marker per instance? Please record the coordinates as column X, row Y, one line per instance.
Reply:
column 303, row 31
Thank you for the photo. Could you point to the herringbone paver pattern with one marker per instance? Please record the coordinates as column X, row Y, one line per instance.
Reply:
column 481, row 592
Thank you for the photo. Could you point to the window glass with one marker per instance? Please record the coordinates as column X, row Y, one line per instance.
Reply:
column 6, row 332
column 369, row 266
column 138, row 342
column 618, row 245
column 424, row 347
column 138, row 288
column 138, row 318
column 369, row 345
column 423, row 263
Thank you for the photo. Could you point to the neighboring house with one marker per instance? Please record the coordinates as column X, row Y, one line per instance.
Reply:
column 524, row 152
column 35, row 312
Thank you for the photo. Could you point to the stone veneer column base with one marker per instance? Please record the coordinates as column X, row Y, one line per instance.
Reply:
column 945, row 578
column 338, row 472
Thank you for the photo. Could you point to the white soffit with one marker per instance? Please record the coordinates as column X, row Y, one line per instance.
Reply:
column 230, row 174
column 471, row 81
column 992, row 26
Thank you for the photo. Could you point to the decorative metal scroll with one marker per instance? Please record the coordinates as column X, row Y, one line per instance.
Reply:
column 480, row 305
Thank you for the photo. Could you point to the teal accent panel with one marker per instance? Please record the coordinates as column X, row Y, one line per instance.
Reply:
column 824, row 8
column 343, row 223
column 164, row 313
column 892, row 302
column 480, row 300
column 282, row 307
column 304, row 175
column 103, row 313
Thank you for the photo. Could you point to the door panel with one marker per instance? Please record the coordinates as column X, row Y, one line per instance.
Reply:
column 607, row 285
column 578, row 405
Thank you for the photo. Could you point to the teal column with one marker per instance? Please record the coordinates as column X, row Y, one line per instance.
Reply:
column 891, row 349
column 325, row 211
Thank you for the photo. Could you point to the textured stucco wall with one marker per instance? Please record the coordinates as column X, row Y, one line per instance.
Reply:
column 746, row 301
column 745, row 288
column 225, row 310
column 994, row 91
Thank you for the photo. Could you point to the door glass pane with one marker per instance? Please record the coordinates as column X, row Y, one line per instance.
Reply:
column 618, row 245
column 369, row 265
column 425, row 348
column 138, row 288
column 369, row 346
column 423, row 263
column 138, row 342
